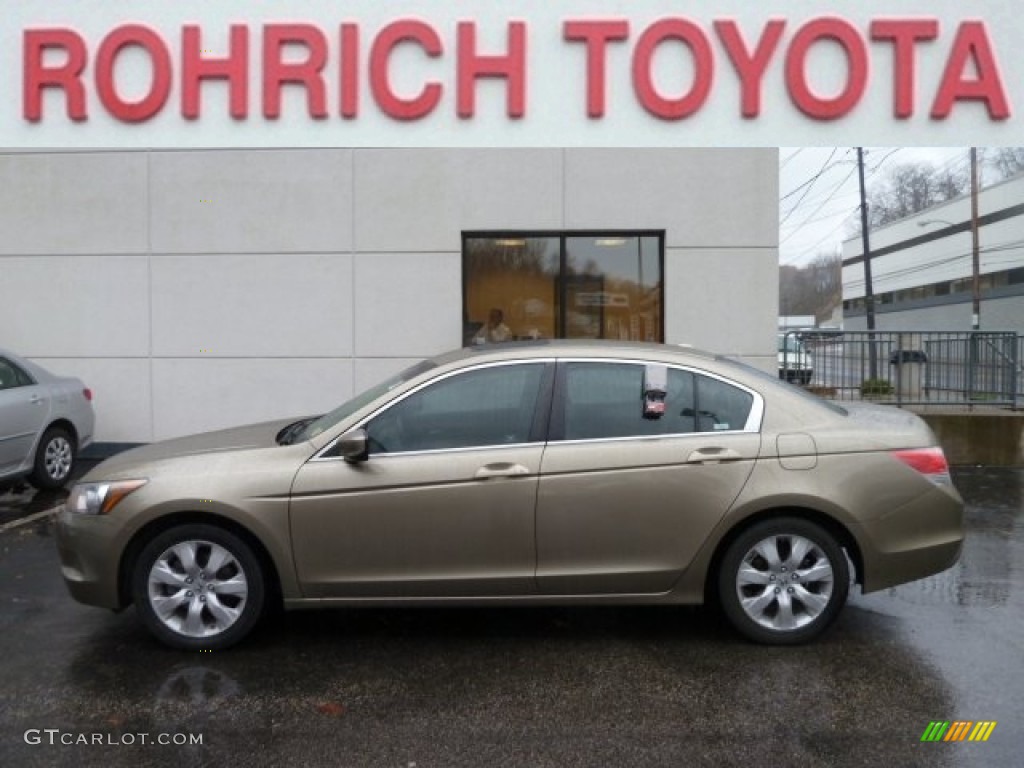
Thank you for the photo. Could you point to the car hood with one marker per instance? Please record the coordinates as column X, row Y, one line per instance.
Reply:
column 222, row 441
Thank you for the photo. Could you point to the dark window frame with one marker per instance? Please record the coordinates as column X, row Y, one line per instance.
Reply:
column 563, row 236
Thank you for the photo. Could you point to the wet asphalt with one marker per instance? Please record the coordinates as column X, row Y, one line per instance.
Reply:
column 524, row 687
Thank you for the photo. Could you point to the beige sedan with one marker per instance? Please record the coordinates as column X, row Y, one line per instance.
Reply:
column 536, row 473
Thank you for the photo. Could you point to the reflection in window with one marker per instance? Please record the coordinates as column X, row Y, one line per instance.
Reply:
column 489, row 406
column 593, row 286
column 605, row 400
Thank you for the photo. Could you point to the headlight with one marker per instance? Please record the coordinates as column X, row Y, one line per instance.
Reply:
column 100, row 498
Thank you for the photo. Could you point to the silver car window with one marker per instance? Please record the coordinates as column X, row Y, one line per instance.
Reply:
column 12, row 376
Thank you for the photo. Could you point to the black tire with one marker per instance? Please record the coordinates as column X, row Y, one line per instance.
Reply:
column 815, row 597
column 55, row 459
column 207, row 599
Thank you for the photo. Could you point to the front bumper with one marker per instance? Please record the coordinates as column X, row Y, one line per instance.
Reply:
column 87, row 545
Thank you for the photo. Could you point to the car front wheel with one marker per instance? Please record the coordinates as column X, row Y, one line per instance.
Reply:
column 198, row 587
column 783, row 581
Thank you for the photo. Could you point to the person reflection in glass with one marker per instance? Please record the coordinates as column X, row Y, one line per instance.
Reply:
column 494, row 330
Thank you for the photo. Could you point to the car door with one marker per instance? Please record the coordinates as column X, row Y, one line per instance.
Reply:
column 628, row 495
column 24, row 406
column 444, row 504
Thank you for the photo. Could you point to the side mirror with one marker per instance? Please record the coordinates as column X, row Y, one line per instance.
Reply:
column 352, row 446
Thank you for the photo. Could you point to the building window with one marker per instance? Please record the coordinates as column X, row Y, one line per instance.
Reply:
column 563, row 285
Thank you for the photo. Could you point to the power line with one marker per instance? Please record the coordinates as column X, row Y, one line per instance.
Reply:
column 809, row 184
column 823, row 204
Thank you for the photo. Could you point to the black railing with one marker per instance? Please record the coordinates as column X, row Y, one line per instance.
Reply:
column 968, row 368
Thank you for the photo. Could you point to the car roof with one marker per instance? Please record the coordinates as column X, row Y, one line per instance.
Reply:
column 545, row 348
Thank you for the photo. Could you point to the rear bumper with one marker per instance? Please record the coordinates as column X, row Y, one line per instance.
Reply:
column 915, row 541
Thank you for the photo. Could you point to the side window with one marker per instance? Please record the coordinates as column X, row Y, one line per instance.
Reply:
column 721, row 406
column 605, row 400
column 488, row 406
column 12, row 376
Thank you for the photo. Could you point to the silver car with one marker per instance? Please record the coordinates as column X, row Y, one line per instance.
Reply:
column 527, row 473
column 45, row 420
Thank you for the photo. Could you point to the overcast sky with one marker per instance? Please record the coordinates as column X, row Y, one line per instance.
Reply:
column 816, row 218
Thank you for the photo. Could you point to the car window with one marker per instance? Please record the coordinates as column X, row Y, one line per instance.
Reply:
column 721, row 406
column 606, row 400
column 603, row 400
column 480, row 407
column 12, row 375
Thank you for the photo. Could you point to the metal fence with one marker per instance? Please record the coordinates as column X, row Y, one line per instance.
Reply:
column 972, row 368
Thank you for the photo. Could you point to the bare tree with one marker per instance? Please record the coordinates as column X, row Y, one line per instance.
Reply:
column 1006, row 161
column 910, row 188
column 814, row 289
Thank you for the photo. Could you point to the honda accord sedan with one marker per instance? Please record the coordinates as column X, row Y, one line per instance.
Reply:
column 527, row 473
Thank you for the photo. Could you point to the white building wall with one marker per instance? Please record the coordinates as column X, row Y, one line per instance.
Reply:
column 947, row 258
column 199, row 289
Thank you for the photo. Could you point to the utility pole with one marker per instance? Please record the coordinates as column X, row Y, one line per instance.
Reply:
column 869, row 295
column 975, row 250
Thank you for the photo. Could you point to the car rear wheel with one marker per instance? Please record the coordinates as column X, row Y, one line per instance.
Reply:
column 55, row 459
column 198, row 587
column 783, row 581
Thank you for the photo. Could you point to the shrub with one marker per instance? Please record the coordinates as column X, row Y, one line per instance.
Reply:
column 875, row 388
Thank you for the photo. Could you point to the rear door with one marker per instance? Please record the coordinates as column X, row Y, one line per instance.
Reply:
column 24, row 406
column 625, row 500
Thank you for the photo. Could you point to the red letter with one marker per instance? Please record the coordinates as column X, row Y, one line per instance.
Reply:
column 391, row 104
column 845, row 35
column 971, row 43
column 67, row 76
column 306, row 73
column 348, row 80
column 750, row 66
column 511, row 66
column 904, row 34
column 234, row 69
column 152, row 102
column 596, row 35
column 643, row 81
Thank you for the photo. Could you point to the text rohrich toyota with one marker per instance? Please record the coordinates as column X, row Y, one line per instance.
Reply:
column 528, row 473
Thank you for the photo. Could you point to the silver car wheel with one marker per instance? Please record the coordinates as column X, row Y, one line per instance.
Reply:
column 784, row 582
column 197, row 588
column 57, row 458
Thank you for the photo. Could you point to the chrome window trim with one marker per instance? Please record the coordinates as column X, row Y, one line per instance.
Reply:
column 318, row 456
column 752, row 426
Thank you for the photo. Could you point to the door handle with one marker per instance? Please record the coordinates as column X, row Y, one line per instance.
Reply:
column 35, row 399
column 713, row 455
column 502, row 469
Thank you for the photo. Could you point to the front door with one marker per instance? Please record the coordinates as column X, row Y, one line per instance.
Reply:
column 444, row 506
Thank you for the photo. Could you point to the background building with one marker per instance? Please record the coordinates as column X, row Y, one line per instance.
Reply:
column 922, row 267
column 198, row 289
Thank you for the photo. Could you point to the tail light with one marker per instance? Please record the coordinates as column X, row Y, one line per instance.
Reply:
column 87, row 394
column 930, row 462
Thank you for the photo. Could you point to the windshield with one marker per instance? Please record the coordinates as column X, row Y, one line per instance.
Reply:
column 346, row 409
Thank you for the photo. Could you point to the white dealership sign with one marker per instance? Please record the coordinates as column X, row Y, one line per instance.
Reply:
column 181, row 73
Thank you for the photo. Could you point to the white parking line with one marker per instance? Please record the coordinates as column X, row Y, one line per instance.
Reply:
column 29, row 519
